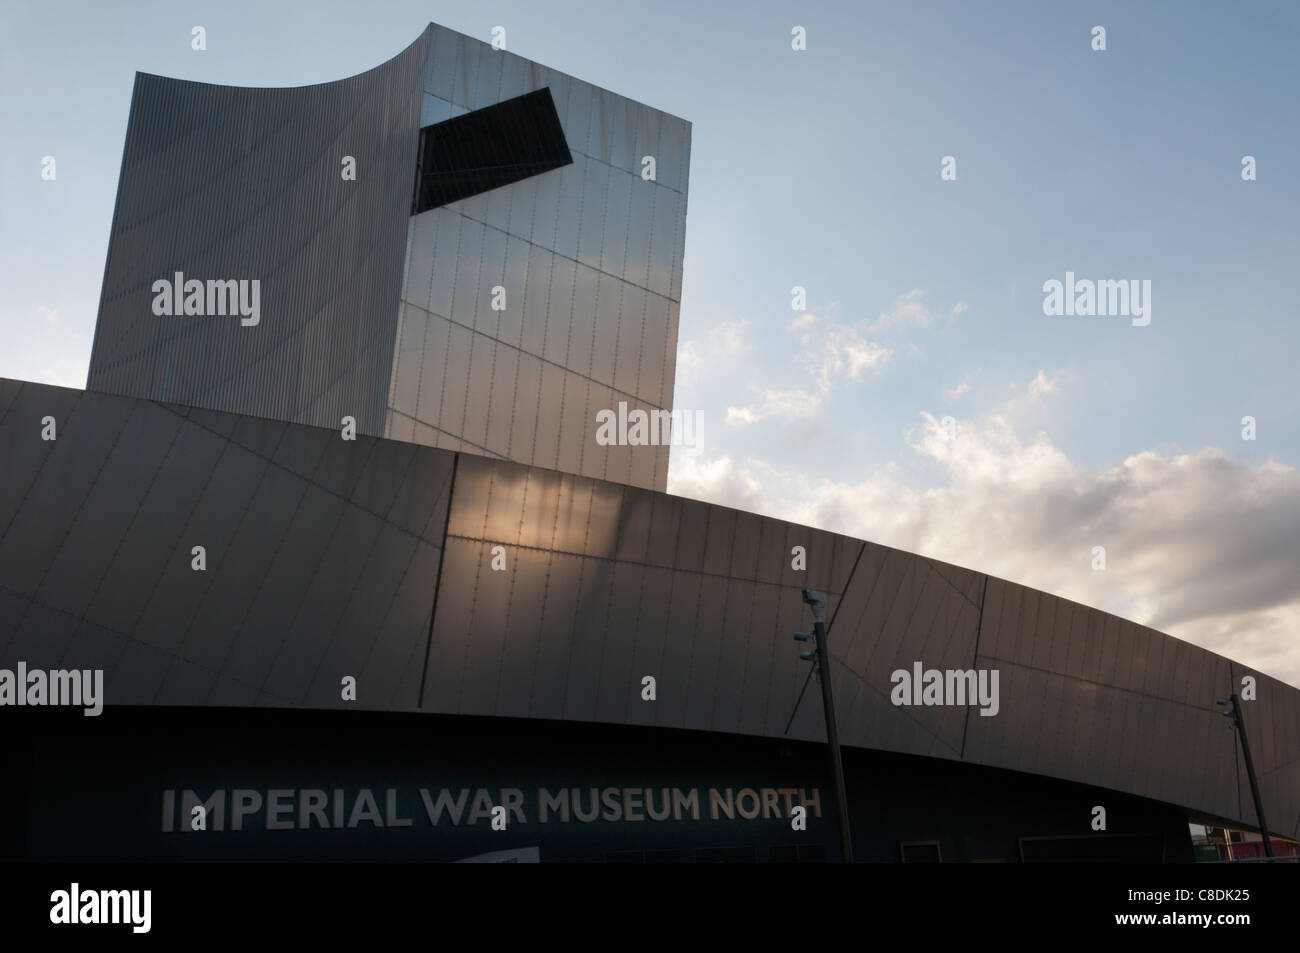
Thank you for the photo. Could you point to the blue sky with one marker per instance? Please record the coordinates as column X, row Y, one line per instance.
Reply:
column 821, row 168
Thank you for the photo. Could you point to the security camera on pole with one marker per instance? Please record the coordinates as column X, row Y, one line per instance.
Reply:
column 816, row 600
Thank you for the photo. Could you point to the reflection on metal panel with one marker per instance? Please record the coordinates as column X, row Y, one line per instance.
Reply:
column 556, row 595
column 585, row 252
column 235, row 184
column 239, row 560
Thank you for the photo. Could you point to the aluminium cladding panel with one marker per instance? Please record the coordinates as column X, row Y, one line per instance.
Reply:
column 322, row 554
column 560, row 594
column 1273, row 727
column 589, row 258
column 1079, row 700
column 221, row 183
column 900, row 611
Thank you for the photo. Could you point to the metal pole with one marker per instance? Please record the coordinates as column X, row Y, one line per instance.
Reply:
column 833, row 741
column 1250, row 772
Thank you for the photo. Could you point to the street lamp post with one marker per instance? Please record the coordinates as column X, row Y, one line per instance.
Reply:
column 816, row 600
column 1235, row 714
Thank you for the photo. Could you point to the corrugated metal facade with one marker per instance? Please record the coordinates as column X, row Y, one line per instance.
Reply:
column 374, row 558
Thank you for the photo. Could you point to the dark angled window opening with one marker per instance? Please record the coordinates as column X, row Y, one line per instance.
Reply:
column 488, row 148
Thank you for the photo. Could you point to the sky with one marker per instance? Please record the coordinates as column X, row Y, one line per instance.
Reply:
column 822, row 169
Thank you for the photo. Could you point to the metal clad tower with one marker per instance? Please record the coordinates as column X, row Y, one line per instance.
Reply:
column 497, row 271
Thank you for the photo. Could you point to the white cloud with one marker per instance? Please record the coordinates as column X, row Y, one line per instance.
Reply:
column 727, row 339
column 689, row 362
column 782, row 404
column 908, row 309
column 703, row 479
column 1197, row 545
column 723, row 341
column 1042, row 386
column 840, row 351
column 831, row 352
column 956, row 393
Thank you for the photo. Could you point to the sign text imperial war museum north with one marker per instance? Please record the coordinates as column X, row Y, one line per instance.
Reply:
column 283, row 809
